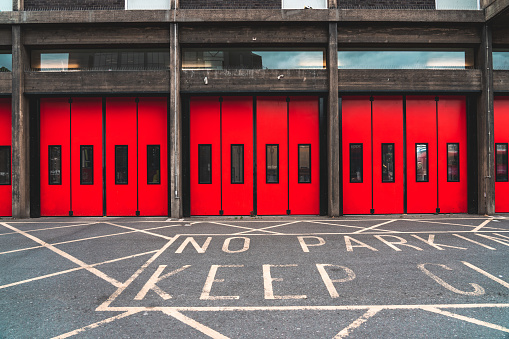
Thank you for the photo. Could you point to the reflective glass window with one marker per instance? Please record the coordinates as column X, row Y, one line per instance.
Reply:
column 86, row 165
column 304, row 163
column 457, row 4
column 5, row 61
column 501, row 162
column 55, row 165
column 5, row 165
column 144, row 4
column 5, row 5
column 205, row 164
column 501, row 60
column 356, row 163
column 387, row 162
column 453, row 162
column 246, row 58
column 237, row 166
column 272, row 164
column 121, row 163
column 301, row 4
column 153, row 164
column 406, row 59
column 421, row 163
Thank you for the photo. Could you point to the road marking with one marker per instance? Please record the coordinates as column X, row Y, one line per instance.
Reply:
column 69, row 257
column 266, row 228
column 478, row 290
column 495, row 239
column 190, row 240
column 482, row 225
column 154, row 279
column 141, row 231
column 341, row 225
column 329, row 282
column 205, row 295
column 401, row 242
column 361, row 320
column 375, row 226
column 431, row 242
column 492, row 277
column 267, row 284
column 194, row 324
column 245, row 247
column 242, row 227
column 305, row 247
column 95, row 325
column 51, row 228
column 447, row 223
column 349, row 246
column 475, row 242
column 467, row 319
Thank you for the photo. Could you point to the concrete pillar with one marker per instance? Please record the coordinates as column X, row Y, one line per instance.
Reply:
column 333, row 131
column 176, row 198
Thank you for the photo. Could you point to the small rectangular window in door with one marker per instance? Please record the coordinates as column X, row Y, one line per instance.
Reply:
column 304, row 164
column 237, row 168
column 272, row 164
column 356, row 163
column 388, row 162
column 421, row 163
column 5, row 165
column 205, row 164
column 86, row 165
column 55, row 165
column 501, row 162
column 453, row 162
column 121, row 165
column 153, row 165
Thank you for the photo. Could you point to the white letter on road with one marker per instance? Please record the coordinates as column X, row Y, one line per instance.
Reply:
column 226, row 245
column 205, row 295
column 305, row 246
column 329, row 282
column 154, row 279
column 478, row 290
column 267, row 284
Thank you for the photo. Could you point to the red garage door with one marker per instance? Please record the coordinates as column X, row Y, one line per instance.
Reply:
column 5, row 158
column 501, row 111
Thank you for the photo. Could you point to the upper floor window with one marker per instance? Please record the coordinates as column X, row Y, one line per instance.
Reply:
column 501, row 60
column 457, row 4
column 5, row 5
column 144, row 4
column 304, row 4
column 5, row 61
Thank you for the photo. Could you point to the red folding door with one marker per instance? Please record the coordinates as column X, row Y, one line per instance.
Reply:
column 5, row 158
column 501, row 111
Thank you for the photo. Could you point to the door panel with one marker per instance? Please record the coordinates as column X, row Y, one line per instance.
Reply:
column 421, row 129
column 356, row 120
column 304, row 131
column 271, row 120
column 152, row 130
column 121, row 197
column 501, row 111
column 205, row 130
column 5, row 141
column 55, row 131
column 86, row 130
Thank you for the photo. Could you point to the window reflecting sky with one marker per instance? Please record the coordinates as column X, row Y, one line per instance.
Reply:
column 457, row 4
column 501, row 60
column 5, row 61
column 402, row 60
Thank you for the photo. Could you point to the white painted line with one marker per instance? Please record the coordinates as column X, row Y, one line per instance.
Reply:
column 95, row 325
column 482, row 225
column 375, row 226
column 467, row 319
column 69, row 257
column 342, row 225
column 51, row 228
column 447, row 223
column 140, row 231
column 194, row 324
column 475, row 242
column 492, row 277
column 361, row 320
column 266, row 228
column 478, row 290
column 242, row 227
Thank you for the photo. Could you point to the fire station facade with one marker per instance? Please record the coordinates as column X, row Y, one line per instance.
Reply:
column 266, row 108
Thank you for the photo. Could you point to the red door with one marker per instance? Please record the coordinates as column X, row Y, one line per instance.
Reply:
column 153, row 156
column 55, row 157
column 121, row 157
column 304, row 156
column 357, row 169
column 87, row 158
column 237, row 155
column 501, row 111
column 5, row 158
column 205, row 128
column 272, row 155
column 421, row 154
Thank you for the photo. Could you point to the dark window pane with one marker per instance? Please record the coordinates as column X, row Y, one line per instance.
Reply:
column 55, row 165
column 153, row 165
column 304, row 163
column 87, row 165
column 356, row 163
column 501, row 162
column 421, row 162
column 237, row 159
column 5, row 165
column 387, row 162
column 453, row 162
column 205, row 164
column 272, row 158
column 121, row 165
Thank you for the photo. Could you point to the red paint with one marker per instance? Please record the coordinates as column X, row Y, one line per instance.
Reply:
column 121, row 130
column 452, row 127
column 501, row 111
column 86, row 130
column 271, row 119
column 237, row 127
column 5, row 140
column 356, row 127
column 205, row 128
column 388, row 128
column 55, row 130
column 421, row 128
column 152, row 130
column 304, row 129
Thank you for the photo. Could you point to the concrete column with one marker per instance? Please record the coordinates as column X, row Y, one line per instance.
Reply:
column 20, row 129
column 485, row 126
column 333, row 132
column 176, row 199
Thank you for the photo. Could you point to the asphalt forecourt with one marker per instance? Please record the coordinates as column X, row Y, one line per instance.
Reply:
column 358, row 277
